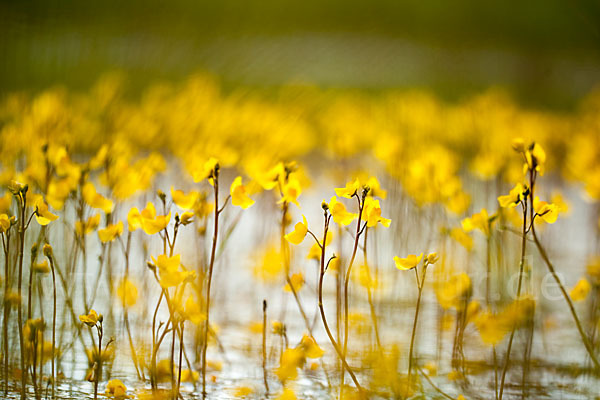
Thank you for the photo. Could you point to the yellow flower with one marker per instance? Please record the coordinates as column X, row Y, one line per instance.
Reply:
column 371, row 213
column 169, row 272
column 350, row 190
column 90, row 225
column 461, row 237
column 310, row 347
column 287, row 394
column 206, row 170
column 480, row 221
column 452, row 291
column 111, row 232
column 581, row 290
column 291, row 360
column 242, row 391
column 184, row 201
column 515, row 195
column 238, row 194
column 90, row 319
column 535, row 158
column 147, row 220
column 189, row 376
column 193, row 311
column 548, row 212
column 42, row 215
column 41, row 268
column 186, row 218
column 410, row 262
column 299, row 233
column 5, row 223
column 291, row 190
column 339, row 212
column 127, row 292
column 95, row 199
column 432, row 258
column 134, row 219
column 297, row 283
column 115, row 388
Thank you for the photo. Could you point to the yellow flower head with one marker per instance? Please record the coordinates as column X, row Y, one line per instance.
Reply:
column 581, row 290
column 299, row 233
column 291, row 190
column 339, row 213
column 239, row 197
column 170, row 272
column 371, row 213
column 548, row 212
column 410, row 262
column 88, row 226
column 5, row 223
column 42, row 214
column 127, row 293
column 206, row 170
column 116, row 389
column 310, row 347
column 95, row 199
column 432, row 258
column 147, row 220
column 480, row 221
column 352, row 188
column 517, row 194
column 91, row 318
column 184, row 201
column 535, row 158
column 297, row 283
column 111, row 232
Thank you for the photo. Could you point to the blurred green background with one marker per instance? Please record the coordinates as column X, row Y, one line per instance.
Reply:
column 544, row 52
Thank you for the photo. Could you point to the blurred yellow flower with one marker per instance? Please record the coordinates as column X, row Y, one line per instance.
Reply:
column 90, row 319
column 42, row 214
column 339, row 213
column 95, row 199
column 410, row 262
column 581, row 290
column 352, row 188
column 480, row 221
column 127, row 293
column 184, row 201
column 147, row 220
column 548, row 212
column 297, row 283
column 88, row 226
column 116, row 389
column 291, row 190
column 205, row 170
column 239, row 197
column 299, row 233
column 111, row 232
column 372, row 213
column 515, row 195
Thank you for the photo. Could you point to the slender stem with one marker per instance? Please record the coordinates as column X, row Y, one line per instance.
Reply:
column 584, row 338
column 347, row 281
column 210, row 273
column 420, row 284
column 180, row 358
column 264, row 347
column 22, row 205
column 322, row 310
column 521, row 265
column 53, row 324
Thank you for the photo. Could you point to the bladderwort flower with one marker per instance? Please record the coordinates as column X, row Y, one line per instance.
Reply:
column 299, row 233
column 239, row 196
